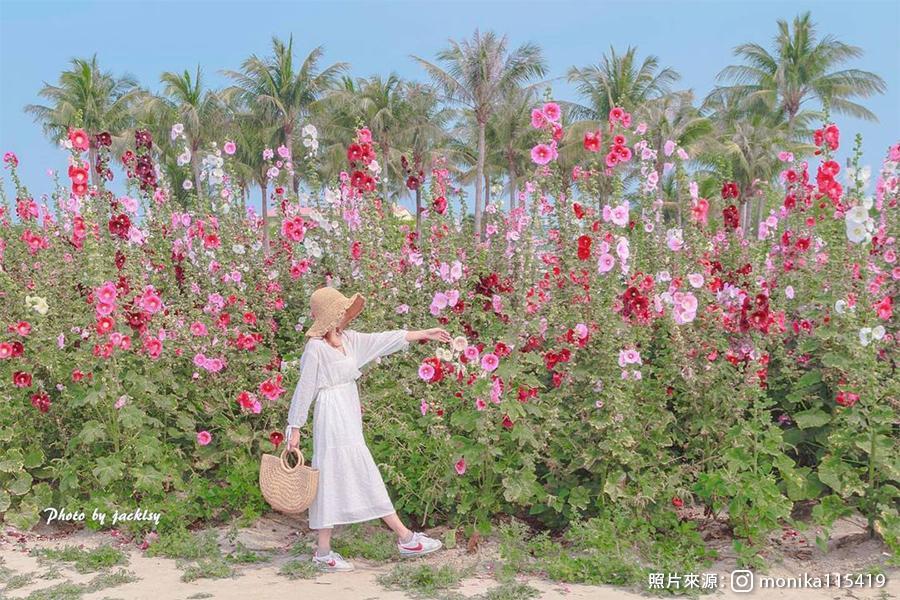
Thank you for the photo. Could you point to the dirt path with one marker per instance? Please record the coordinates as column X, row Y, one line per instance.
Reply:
column 161, row 578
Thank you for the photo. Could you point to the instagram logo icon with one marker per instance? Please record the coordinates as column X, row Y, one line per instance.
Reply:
column 742, row 581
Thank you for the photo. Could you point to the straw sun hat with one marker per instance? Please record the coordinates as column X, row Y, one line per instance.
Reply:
column 331, row 308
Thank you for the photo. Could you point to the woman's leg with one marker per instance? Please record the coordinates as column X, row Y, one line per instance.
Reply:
column 394, row 522
column 323, row 546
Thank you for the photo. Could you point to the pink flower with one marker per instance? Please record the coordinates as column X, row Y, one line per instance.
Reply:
column 480, row 404
column 551, row 111
column 204, row 437
column 150, row 300
column 106, row 293
column 423, row 407
column 426, row 372
column 669, row 147
column 402, row 309
column 695, row 279
column 785, row 156
column 364, row 135
column 542, row 154
column 198, row 329
column 619, row 215
column 605, row 263
column 230, row 148
column 79, row 139
column 537, row 119
column 471, row 353
column 284, row 151
column 489, row 361
column 153, row 347
column 461, row 466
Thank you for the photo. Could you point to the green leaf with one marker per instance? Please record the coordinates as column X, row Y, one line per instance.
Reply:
column 34, row 458
column 810, row 378
column 5, row 501
column 92, row 431
column 834, row 361
column 12, row 461
column 21, row 485
column 813, row 417
column 108, row 469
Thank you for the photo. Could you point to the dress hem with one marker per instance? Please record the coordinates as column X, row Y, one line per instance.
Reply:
column 363, row 520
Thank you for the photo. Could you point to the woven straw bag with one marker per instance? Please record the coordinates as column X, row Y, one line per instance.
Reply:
column 290, row 490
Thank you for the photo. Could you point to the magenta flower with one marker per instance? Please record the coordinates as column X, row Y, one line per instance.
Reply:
column 480, row 404
column 471, row 353
column 542, row 154
column 537, row 119
column 460, row 466
column 150, row 300
column 489, row 361
column 426, row 372
column 230, row 148
column 204, row 437
column 552, row 112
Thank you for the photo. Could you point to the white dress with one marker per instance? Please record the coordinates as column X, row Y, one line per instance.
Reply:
column 350, row 485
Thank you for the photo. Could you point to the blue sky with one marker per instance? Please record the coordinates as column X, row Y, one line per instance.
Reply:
column 38, row 38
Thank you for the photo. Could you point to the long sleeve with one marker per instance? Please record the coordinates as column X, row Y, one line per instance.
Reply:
column 305, row 392
column 369, row 346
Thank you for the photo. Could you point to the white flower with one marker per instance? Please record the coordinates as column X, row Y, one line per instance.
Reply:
column 238, row 249
column 188, row 184
column 37, row 304
column 332, row 196
column 459, row 343
column 856, row 232
column 878, row 332
column 840, row 307
column 865, row 336
column 184, row 158
column 857, row 214
column 443, row 354
column 375, row 167
column 310, row 130
column 177, row 130
column 313, row 248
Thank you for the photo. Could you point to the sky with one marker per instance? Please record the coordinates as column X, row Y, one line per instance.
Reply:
column 39, row 38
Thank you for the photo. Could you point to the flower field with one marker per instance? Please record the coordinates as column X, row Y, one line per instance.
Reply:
column 609, row 351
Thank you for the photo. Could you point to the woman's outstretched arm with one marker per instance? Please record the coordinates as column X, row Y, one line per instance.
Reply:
column 435, row 334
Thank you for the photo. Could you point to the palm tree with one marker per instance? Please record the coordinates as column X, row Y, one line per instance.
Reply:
column 619, row 81
column 282, row 94
column 252, row 133
column 86, row 97
column 478, row 73
column 423, row 132
column 184, row 100
column 800, row 69
column 513, row 136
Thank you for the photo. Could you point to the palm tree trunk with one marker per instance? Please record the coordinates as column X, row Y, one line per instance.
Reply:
column 419, row 211
column 512, row 186
column 264, row 187
column 479, row 179
column 92, row 159
column 487, row 189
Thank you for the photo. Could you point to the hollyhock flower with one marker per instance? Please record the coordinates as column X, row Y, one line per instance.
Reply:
column 229, row 148
column 284, row 152
column 423, row 407
column 785, row 156
column 41, row 401
column 865, row 336
column 605, row 263
column 276, row 438
column 699, row 210
column 789, row 292
column 459, row 343
column 153, row 347
column 552, row 112
column 106, row 293
column 471, row 353
column 542, row 154
column 150, row 300
column 592, row 141
column 695, row 279
column 364, row 135
column 5, row 350
column 402, row 309
column 489, row 361
column 460, row 466
column 538, row 119
column 426, row 372
column 23, row 328
column 37, row 304
column 79, row 139
column 885, row 308
column 204, row 438
column 480, row 404
column 669, row 147
column 21, row 379
column 507, row 422
column 619, row 215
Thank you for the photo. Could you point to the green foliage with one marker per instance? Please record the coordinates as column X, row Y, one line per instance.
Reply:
column 85, row 560
column 422, row 581
column 299, row 569
column 364, row 542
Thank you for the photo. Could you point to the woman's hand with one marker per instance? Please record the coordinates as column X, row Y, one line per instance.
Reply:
column 436, row 334
column 294, row 442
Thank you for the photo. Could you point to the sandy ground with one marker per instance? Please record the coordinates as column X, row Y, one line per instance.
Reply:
column 160, row 578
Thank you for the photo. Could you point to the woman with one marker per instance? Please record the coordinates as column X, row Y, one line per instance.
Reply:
column 350, row 485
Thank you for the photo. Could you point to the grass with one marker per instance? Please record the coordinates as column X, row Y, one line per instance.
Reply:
column 357, row 541
column 84, row 560
column 422, row 581
column 208, row 568
column 18, row 581
column 510, row 590
column 108, row 580
column 299, row 569
column 617, row 549
column 243, row 555
column 184, row 544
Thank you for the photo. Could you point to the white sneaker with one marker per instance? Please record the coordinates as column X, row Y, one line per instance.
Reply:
column 419, row 544
column 331, row 562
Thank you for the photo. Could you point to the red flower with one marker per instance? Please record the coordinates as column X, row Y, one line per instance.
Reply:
column 276, row 438
column 592, row 141
column 885, row 308
column 21, row 379
column 355, row 250
column 79, row 139
column 119, row 225
column 354, row 153
column 847, row 399
column 41, row 401
column 730, row 215
column 578, row 209
column 412, row 182
column 23, row 328
column 507, row 422
column 105, row 325
column 677, row 502
column 730, row 189
column 358, row 179
column 78, row 175
column 440, row 205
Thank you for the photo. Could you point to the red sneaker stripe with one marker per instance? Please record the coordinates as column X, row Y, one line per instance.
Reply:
column 417, row 548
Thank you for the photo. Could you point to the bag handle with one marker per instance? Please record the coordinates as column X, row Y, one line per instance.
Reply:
column 300, row 460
